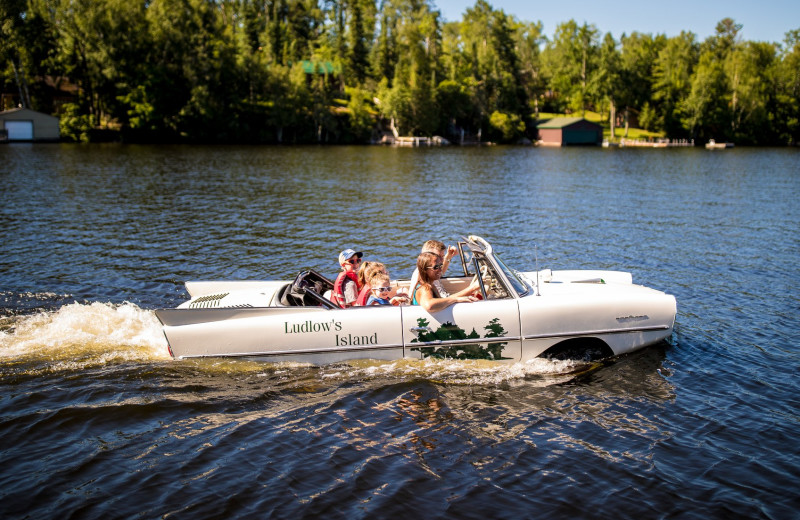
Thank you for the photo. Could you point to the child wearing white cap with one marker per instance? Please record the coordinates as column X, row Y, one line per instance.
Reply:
column 346, row 288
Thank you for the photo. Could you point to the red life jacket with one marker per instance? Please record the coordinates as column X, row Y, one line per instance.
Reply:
column 364, row 295
column 337, row 294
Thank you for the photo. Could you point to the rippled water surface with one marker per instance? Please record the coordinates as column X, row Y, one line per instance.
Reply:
column 97, row 421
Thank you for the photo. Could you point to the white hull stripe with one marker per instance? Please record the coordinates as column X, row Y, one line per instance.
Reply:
column 501, row 339
column 598, row 332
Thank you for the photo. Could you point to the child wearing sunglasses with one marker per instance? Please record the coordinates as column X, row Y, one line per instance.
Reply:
column 365, row 274
column 381, row 287
column 345, row 289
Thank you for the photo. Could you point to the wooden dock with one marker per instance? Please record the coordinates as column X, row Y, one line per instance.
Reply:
column 395, row 139
column 658, row 143
column 414, row 141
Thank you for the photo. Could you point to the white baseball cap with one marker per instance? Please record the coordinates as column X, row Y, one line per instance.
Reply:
column 347, row 254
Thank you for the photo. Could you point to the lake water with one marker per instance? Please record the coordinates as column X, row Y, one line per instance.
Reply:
column 97, row 421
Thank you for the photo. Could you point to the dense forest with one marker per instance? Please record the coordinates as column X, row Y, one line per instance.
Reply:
column 305, row 71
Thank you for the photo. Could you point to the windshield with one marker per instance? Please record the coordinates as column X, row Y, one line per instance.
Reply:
column 467, row 257
column 516, row 282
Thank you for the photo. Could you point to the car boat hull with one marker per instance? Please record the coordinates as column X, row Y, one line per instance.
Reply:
column 561, row 314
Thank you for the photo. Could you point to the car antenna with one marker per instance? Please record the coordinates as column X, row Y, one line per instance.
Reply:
column 536, row 257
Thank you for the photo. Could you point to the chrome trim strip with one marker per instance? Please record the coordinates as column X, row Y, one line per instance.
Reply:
column 472, row 341
column 296, row 352
column 598, row 332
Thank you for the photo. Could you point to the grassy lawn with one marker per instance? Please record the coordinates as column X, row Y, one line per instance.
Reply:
column 633, row 133
column 594, row 117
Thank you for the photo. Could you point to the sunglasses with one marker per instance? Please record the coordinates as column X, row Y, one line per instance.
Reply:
column 354, row 261
column 382, row 289
column 436, row 267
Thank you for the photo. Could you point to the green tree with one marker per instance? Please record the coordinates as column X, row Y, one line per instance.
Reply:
column 711, row 108
column 528, row 43
column 15, row 32
column 786, row 117
column 395, row 103
column 74, row 124
column 193, row 81
column 672, row 74
column 360, row 38
column 571, row 61
column 99, row 46
column 704, row 110
column 608, row 81
column 455, row 107
column 752, row 70
column 361, row 114
column 511, row 95
column 483, row 53
column 410, row 99
column 384, row 53
column 506, row 127
column 638, row 55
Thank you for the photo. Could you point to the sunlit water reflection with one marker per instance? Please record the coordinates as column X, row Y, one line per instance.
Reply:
column 98, row 421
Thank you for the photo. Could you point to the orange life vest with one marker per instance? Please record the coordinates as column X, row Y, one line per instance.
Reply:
column 337, row 294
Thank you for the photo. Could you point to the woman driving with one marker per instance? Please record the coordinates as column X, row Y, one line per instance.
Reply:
column 425, row 294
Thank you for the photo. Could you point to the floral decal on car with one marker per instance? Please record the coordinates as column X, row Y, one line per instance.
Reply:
column 451, row 332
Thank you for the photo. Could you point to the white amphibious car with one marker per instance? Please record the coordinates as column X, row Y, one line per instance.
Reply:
column 585, row 315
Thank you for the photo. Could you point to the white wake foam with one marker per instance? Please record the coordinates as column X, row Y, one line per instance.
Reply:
column 96, row 333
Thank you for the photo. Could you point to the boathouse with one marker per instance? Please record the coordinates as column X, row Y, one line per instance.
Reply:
column 563, row 131
column 24, row 124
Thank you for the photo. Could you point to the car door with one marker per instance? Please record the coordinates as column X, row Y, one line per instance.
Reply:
column 485, row 329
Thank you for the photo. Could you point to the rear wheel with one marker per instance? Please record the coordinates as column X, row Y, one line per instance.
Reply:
column 579, row 349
